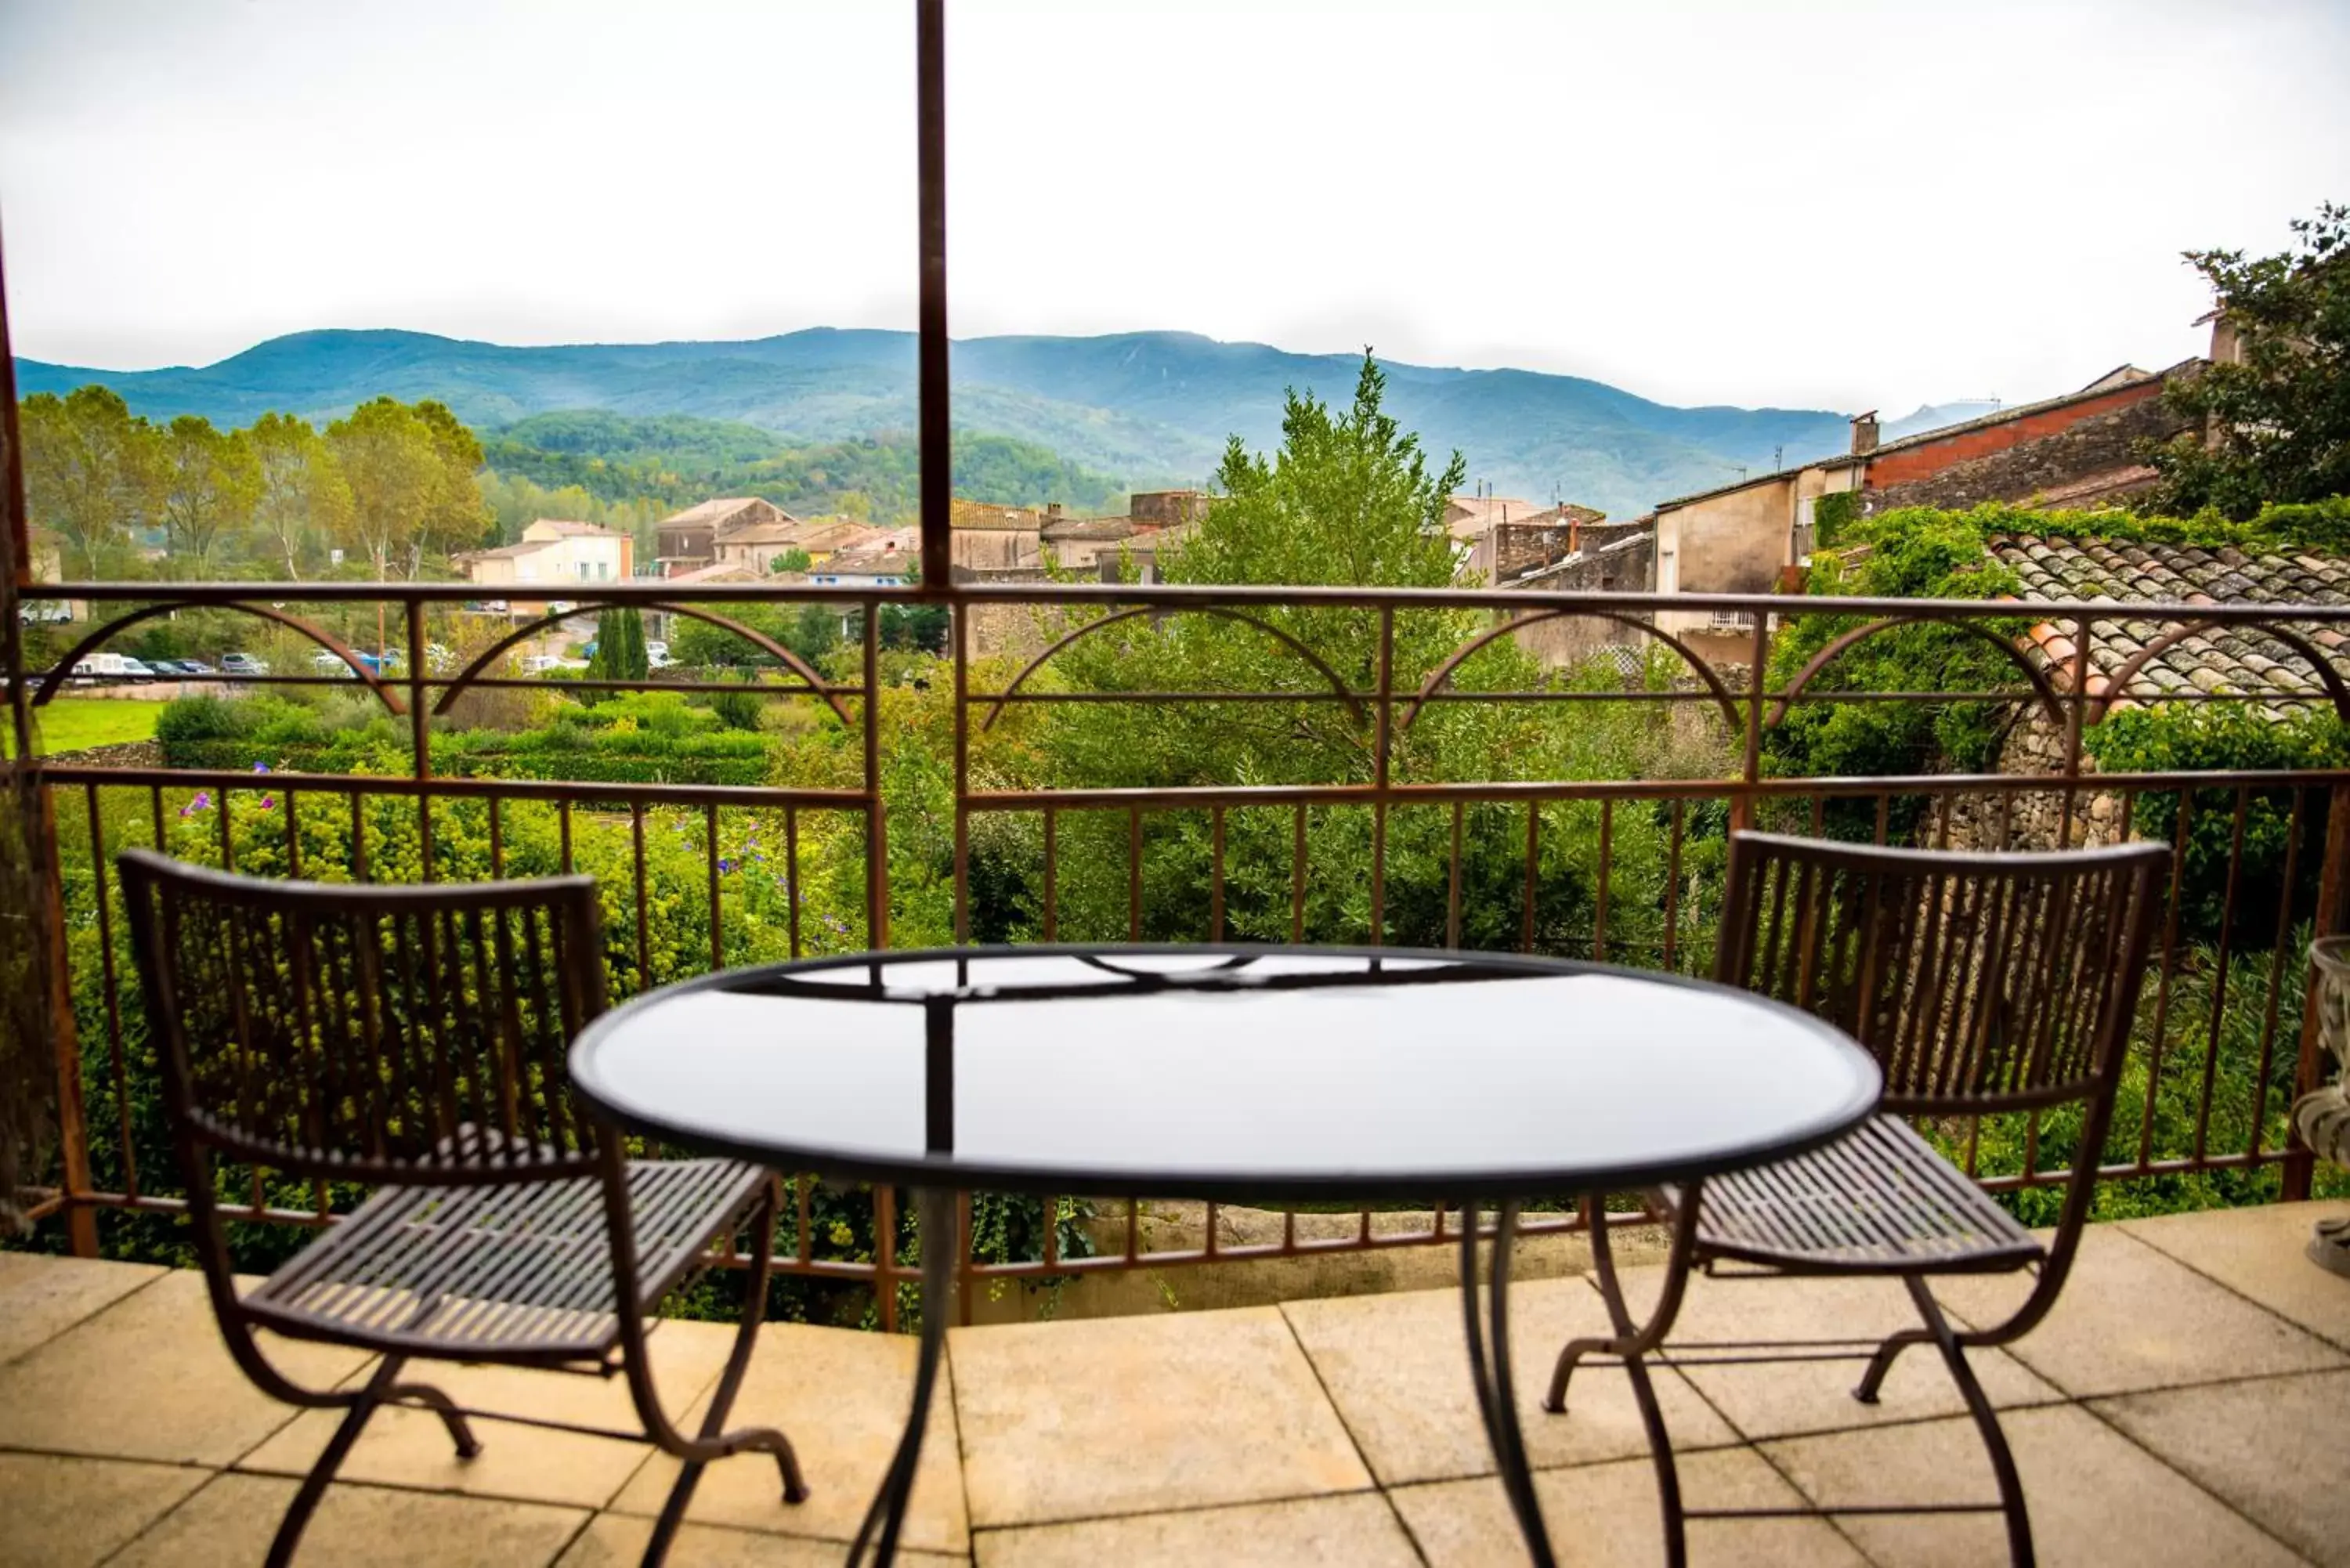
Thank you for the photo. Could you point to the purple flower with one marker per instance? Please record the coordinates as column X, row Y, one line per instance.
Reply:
column 268, row 804
column 202, row 802
column 726, row 864
column 261, row 767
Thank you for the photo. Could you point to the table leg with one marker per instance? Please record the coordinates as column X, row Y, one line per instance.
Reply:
column 1489, row 1371
column 936, row 1227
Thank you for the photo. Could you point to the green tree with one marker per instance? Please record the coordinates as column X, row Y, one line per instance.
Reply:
column 2278, row 420
column 792, row 560
column 411, row 476
column 93, row 472
column 619, row 646
column 211, row 483
column 302, row 499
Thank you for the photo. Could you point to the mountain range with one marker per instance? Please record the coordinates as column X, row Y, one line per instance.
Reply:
column 1148, row 408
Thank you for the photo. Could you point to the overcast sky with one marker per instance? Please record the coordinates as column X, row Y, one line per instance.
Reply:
column 1825, row 204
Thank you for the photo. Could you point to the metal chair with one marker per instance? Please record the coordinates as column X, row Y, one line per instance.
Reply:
column 413, row 1039
column 1983, row 983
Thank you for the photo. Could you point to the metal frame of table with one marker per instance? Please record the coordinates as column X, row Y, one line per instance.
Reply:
column 936, row 1176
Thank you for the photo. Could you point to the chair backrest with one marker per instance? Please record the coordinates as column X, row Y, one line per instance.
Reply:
column 365, row 1033
column 1981, row 982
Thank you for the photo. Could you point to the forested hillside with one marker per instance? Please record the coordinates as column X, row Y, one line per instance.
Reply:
column 1141, row 408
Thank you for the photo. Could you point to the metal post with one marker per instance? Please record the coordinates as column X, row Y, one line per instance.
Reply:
column 38, row 826
column 933, row 431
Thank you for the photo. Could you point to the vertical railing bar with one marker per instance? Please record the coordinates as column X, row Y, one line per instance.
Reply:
column 1133, row 1228
column 497, row 838
column 563, row 827
column 227, row 840
column 293, row 835
column 1133, row 873
column 1052, row 874
column 1606, row 873
column 1884, row 818
column 2283, row 941
column 885, row 1233
column 877, row 826
column 1533, row 867
column 710, row 859
column 961, row 776
column 1673, row 884
column 805, row 1248
column 421, row 736
column 637, row 859
column 1215, row 892
column 114, row 1052
column 1453, row 885
column 2163, row 979
column 155, row 807
column 359, row 840
column 1297, row 875
column 792, row 874
column 2219, row 975
column 1052, row 1231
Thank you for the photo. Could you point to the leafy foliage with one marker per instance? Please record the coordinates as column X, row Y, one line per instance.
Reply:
column 1912, row 552
column 2280, row 415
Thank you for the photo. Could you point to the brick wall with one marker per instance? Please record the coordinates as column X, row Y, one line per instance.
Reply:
column 2031, row 462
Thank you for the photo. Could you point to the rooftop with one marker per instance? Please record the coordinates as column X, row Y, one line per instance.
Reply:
column 715, row 510
column 2240, row 659
column 2182, row 1407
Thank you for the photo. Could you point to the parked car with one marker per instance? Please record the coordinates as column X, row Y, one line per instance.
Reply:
column 243, row 664
column 196, row 667
column 107, row 667
column 172, row 667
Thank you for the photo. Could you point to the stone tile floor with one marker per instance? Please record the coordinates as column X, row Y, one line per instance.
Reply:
column 2183, row 1406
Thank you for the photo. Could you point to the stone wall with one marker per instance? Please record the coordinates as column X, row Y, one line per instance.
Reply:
column 1626, row 565
column 2035, row 819
column 2097, row 444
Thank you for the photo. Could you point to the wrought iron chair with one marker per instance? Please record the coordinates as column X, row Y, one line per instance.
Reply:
column 413, row 1039
column 1983, row 984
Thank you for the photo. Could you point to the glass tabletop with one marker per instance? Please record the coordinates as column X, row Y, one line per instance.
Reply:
column 1228, row 1073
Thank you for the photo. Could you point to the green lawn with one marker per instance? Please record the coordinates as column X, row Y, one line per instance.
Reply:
column 72, row 723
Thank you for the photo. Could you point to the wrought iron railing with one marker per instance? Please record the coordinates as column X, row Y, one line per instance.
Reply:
column 1620, row 869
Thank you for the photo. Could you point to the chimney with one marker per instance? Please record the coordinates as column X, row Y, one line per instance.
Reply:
column 1864, row 434
column 1053, row 513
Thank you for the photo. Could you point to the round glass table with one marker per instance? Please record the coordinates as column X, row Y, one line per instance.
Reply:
column 1257, row 1075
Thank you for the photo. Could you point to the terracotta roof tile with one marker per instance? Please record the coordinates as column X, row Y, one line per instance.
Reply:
column 2234, row 659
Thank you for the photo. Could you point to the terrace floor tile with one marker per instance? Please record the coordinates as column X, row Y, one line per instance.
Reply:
column 2273, row 1448
column 2133, row 1318
column 2257, row 1252
column 73, row 1512
column 1397, row 1368
column 42, row 1296
column 230, row 1522
column 2096, row 1497
column 1605, row 1516
column 1354, row 1530
column 841, row 1397
column 1076, row 1421
column 618, row 1541
column 1777, row 1399
column 149, row 1378
column 411, row 1447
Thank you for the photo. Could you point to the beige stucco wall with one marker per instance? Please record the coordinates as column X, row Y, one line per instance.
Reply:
column 1732, row 543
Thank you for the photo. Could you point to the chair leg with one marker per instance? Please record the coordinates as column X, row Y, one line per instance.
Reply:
column 713, row 1441
column 1628, row 1341
column 339, row 1448
column 1872, row 1381
column 1986, row 1418
column 460, row 1431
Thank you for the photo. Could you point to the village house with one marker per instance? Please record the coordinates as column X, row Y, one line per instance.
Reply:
column 2074, row 451
column 690, row 539
column 554, row 558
